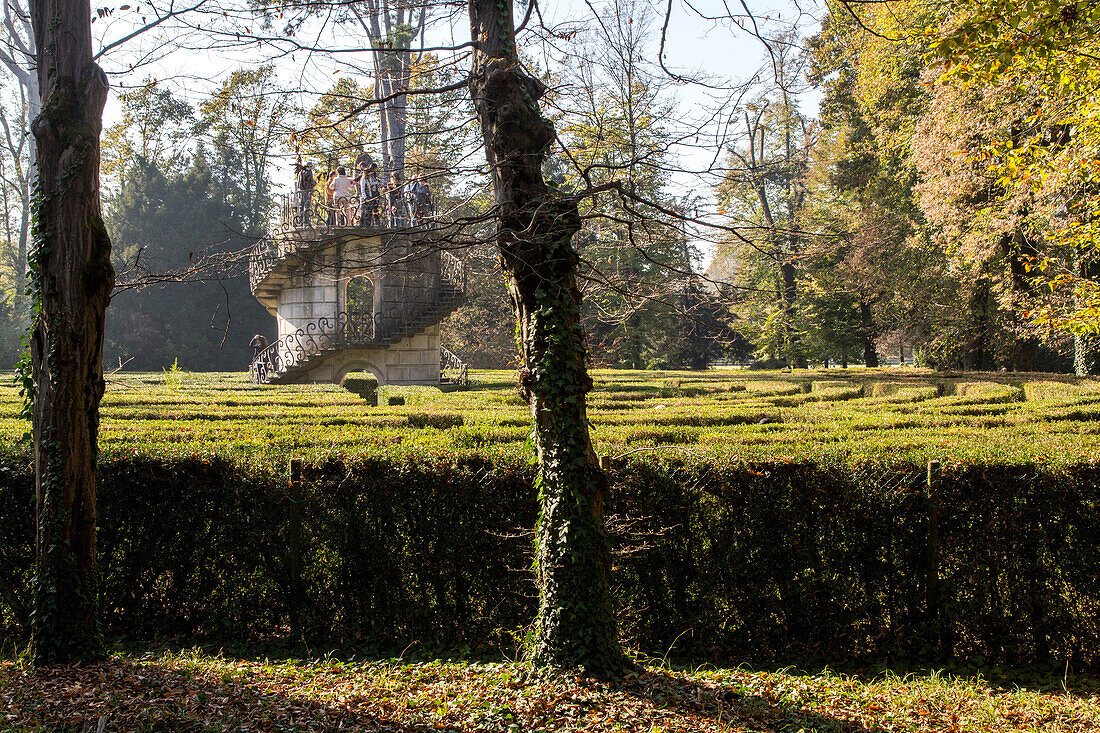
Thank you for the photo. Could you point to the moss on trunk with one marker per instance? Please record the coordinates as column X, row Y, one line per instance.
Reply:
column 72, row 279
column 575, row 626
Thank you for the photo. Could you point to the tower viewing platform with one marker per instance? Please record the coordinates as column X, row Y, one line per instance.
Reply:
column 351, row 298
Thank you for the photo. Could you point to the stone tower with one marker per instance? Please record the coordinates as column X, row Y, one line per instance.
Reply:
column 351, row 298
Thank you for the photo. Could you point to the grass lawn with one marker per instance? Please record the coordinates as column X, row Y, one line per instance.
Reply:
column 193, row 691
column 851, row 416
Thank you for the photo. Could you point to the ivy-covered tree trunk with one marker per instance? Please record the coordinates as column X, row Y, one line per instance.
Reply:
column 71, row 277
column 575, row 625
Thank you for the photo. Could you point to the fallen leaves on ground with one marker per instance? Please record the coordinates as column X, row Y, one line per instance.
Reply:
column 192, row 691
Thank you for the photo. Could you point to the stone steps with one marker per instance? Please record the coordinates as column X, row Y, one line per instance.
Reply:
column 450, row 300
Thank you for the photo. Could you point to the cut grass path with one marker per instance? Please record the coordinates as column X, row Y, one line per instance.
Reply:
column 192, row 691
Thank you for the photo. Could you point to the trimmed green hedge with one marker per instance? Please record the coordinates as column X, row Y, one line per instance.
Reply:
column 729, row 562
column 364, row 385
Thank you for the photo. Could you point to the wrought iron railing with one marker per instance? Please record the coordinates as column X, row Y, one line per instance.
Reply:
column 265, row 254
column 314, row 217
column 360, row 330
column 297, row 211
column 452, row 369
column 312, row 210
column 342, row 331
column 452, row 271
column 300, row 346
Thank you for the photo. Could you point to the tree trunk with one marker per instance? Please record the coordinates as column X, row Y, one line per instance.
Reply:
column 23, row 47
column 575, row 625
column 791, row 340
column 24, row 236
column 1018, row 251
column 1080, row 356
column 1080, row 343
column 391, row 33
column 867, row 326
column 632, row 328
column 397, row 111
column 72, row 279
column 974, row 347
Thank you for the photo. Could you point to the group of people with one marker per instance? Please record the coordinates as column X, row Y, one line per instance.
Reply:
column 393, row 204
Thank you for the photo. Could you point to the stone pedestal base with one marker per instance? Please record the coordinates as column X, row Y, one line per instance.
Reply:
column 411, row 361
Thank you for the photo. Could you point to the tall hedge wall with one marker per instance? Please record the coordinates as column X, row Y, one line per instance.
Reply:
column 718, row 562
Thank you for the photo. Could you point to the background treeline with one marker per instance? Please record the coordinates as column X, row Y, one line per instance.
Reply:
column 192, row 176
column 939, row 203
column 942, row 201
column 999, row 562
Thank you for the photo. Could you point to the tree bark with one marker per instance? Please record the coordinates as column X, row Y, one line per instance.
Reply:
column 1081, row 345
column 1080, row 356
column 792, row 342
column 973, row 356
column 72, row 279
column 1018, row 251
column 867, row 325
column 575, row 625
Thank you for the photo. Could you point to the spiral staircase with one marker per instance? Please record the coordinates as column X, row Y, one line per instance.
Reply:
column 301, row 274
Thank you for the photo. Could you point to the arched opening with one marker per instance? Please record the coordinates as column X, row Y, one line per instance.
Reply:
column 360, row 366
column 359, row 306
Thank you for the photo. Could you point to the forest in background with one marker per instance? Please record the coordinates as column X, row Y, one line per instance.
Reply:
column 940, row 201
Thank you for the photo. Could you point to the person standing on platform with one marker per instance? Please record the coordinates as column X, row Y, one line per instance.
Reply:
column 369, row 189
column 425, row 206
column 326, row 197
column 303, row 179
column 363, row 160
column 341, row 188
column 398, row 216
column 409, row 194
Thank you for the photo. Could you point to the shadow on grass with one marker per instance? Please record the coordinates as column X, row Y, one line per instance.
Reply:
column 726, row 705
column 193, row 691
column 153, row 697
column 294, row 651
column 196, row 694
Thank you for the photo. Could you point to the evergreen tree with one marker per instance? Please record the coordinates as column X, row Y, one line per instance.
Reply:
column 244, row 119
column 166, row 224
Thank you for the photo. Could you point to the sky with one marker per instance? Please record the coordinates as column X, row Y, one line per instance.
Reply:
column 721, row 50
column 716, row 48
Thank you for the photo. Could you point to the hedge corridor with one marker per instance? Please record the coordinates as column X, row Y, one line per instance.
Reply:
column 719, row 562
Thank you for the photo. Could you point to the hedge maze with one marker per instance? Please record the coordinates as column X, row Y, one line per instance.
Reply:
column 756, row 516
column 825, row 416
